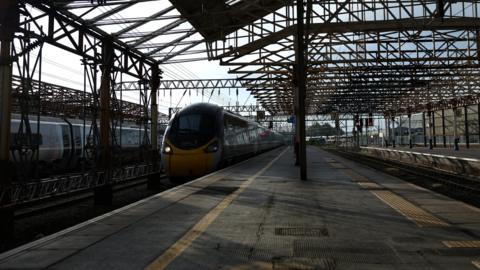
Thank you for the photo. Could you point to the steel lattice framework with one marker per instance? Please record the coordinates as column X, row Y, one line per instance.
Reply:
column 363, row 56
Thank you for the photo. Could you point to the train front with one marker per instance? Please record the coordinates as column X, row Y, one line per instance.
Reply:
column 191, row 145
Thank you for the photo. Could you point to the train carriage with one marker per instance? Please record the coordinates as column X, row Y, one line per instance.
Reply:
column 204, row 137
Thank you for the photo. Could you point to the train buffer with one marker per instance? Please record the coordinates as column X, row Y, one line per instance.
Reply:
column 257, row 214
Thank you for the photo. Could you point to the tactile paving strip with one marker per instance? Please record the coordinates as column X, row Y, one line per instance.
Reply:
column 421, row 217
column 355, row 176
column 462, row 244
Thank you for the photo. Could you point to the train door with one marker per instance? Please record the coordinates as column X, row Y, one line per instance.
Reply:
column 66, row 142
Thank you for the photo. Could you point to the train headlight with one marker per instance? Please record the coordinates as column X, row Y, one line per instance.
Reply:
column 211, row 148
column 167, row 149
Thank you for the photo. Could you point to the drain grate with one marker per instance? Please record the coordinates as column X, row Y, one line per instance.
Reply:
column 285, row 263
column 351, row 252
column 306, row 232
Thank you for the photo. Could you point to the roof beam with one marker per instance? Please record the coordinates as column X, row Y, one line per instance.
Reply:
column 347, row 27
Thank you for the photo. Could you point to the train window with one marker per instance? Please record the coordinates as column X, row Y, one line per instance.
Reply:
column 190, row 131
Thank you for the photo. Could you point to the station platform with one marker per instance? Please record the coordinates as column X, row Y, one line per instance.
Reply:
column 464, row 163
column 259, row 215
column 473, row 153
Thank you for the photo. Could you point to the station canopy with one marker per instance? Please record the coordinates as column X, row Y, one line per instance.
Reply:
column 369, row 56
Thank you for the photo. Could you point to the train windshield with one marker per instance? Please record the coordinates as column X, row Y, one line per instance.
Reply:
column 190, row 131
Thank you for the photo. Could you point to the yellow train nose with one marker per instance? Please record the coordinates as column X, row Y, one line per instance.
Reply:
column 191, row 164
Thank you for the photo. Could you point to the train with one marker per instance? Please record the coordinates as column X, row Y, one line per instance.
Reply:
column 204, row 137
column 62, row 141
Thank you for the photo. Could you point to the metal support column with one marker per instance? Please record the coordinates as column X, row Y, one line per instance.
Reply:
column 430, row 139
column 301, row 88
column 467, row 131
column 387, row 132
column 443, row 129
column 9, row 19
column 104, row 194
column 478, row 120
column 393, row 133
column 434, row 131
column 400, row 132
column 346, row 134
column 410, row 142
column 455, row 132
column 424, row 129
column 154, row 179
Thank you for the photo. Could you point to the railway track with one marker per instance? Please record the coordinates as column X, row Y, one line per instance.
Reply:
column 70, row 199
column 453, row 185
column 57, row 213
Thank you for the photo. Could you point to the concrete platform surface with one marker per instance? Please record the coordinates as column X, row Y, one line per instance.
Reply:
column 259, row 215
column 432, row 159
column 463, row 152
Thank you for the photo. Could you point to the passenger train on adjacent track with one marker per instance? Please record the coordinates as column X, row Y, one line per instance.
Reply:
column 203, row 137
column 62, row 141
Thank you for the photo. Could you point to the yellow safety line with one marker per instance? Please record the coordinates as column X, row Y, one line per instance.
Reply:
column 476, row 264
column 462, row 244
column 355, row 176
column 416, row 214
column 181, row 245
column 368, row 185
